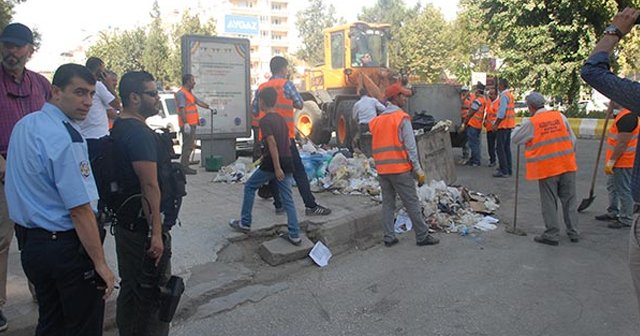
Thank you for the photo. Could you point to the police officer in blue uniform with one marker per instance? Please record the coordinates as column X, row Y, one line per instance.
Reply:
column 52, row 197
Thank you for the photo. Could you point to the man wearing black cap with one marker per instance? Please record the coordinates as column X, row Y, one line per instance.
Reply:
column 21, row 92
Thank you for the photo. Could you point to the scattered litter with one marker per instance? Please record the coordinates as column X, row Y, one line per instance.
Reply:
column 320, row 254
column 402, row 223
column 450, row 209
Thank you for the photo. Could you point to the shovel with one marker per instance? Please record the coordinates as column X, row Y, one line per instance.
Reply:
column 513, row 229
column 586, row 202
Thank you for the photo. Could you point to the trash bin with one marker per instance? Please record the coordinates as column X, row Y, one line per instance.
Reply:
column 436, row 156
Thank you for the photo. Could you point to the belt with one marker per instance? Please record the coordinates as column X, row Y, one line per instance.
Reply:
column 44, row 234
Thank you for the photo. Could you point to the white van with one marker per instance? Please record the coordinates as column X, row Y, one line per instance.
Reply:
column 167, row 117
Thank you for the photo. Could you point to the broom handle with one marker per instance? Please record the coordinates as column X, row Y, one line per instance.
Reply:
column 604, row 132
column 515, row 207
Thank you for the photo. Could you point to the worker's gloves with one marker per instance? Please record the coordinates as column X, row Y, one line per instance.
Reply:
column 186, row 129
column 608, row 168
column 420, row 176
column 462, row 128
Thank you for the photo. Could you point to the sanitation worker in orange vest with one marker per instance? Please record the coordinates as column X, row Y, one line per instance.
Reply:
column 466, row 99
column 396, row 156
column 550, row 158
column 489, row 119
column 473, row 125
column 622, row 141
column 188, row 119
column 505, row 122
column 288, row 99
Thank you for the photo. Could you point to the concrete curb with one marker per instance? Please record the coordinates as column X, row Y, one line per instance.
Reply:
column 350, row 230
column 584, row 128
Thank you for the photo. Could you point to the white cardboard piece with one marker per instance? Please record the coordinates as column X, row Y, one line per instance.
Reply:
column 320, row 254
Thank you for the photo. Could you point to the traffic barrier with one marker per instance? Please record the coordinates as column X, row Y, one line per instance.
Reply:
column 583, row 128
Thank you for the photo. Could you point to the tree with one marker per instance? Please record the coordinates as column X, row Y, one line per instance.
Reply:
column 310, row 23
column 120, row 51
column 155, row 54
column 189, row 24
column 423, row 45
column 544, row 43
column 395, row 13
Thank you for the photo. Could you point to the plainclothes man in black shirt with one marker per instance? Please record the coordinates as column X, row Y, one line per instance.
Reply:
column 277, row 162
column 143, row 262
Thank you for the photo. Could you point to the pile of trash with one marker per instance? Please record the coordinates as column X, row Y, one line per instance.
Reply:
column 454, row 209
column 335, row 170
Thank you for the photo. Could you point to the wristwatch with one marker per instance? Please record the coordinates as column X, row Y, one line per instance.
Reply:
column 613, row 30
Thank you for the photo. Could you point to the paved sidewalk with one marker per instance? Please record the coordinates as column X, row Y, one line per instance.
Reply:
column 205, row 213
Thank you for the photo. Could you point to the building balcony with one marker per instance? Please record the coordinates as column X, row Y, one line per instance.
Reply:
column 283, row 27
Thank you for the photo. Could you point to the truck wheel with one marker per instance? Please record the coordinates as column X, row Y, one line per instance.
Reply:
column 309, row 122
column 344, row 123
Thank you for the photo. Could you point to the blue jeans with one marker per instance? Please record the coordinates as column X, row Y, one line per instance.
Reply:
column 491, row 146
column 620, row 199
column 473, row 134
column 504, row 150
column 302, row 181
column 259, row 178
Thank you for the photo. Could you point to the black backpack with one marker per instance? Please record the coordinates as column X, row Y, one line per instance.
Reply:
column 113, row 202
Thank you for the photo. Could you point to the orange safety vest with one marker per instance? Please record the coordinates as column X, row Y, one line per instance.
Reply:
column 478, row 117
column 284, row 105
column 491, row 115
column 466, row 104
column 550, row 152
column 628, row 156
column 190, row 109
column 255, row 122
column 386, row 148
column 509, row 120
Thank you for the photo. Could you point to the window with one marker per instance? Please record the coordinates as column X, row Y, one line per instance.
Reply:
column 337, row 50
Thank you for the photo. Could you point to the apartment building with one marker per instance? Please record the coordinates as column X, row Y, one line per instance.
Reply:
column 268, row 24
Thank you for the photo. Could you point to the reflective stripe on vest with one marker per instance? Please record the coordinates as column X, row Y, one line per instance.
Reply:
column 550, row 152
column 190, row 109
column 509, row 120
column 386, row 148
column 628, row 156
column 284, row 106
column 478, row 117
column 491, row 114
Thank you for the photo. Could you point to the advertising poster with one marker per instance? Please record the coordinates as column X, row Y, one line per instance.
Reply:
column 221, row 68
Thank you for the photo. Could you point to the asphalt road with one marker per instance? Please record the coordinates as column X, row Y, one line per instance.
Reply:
column 490, row 284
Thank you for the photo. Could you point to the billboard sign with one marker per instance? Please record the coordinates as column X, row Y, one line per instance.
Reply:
column 245, row 25
column 221, row 69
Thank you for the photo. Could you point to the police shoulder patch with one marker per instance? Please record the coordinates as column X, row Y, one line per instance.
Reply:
column 85, row 168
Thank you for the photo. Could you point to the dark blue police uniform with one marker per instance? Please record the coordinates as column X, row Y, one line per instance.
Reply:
column 48, row 173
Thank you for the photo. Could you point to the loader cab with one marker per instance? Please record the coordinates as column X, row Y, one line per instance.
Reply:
column 348, row 49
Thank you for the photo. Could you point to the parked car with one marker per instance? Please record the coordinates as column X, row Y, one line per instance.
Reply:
column 520, row 106
column 167, row 117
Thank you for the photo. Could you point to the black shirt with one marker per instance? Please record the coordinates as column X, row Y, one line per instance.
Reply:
column 628, row 123
column 134, row 141
column 275, row 125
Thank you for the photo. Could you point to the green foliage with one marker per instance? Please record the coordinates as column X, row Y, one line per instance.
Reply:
column 188, row 25
column 422, row 45
column 395, row 13
column 310, row 23
column 155, row 54
column 149, row 48
column 120, row 51
column 544, row 43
